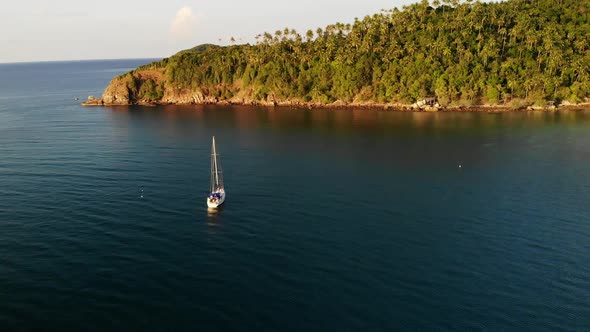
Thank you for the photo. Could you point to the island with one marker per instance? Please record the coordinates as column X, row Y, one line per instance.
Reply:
column 439, row 55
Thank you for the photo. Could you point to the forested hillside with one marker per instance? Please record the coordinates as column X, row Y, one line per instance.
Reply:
column 464, row 53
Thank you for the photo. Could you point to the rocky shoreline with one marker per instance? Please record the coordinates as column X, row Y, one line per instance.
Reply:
column 342, row 105
column 128, row 90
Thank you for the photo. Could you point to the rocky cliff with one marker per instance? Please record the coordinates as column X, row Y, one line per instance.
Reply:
column 150, row 87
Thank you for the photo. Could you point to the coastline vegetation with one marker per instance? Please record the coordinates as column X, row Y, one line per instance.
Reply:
column 463, row 53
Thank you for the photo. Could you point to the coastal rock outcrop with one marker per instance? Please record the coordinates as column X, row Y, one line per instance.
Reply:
column 117, row 93
column 148, row 87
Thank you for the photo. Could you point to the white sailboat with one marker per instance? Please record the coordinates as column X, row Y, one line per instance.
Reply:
column 216, row 196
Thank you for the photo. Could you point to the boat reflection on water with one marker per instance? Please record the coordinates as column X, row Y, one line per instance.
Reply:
column 213, row 215
column 214, row 211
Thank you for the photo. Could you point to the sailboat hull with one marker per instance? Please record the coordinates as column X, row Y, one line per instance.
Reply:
column 216, row 203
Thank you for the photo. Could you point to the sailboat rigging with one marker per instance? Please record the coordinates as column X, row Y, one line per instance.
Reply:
column 216, row 196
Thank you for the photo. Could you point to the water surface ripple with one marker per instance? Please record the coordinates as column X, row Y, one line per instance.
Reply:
column 335, row 220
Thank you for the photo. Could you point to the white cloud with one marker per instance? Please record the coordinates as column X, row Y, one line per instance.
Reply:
column 184, row 24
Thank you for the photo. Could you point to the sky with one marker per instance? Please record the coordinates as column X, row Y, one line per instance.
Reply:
column 45, row 30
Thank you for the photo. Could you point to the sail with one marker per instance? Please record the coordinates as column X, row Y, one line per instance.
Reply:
column 216, row 173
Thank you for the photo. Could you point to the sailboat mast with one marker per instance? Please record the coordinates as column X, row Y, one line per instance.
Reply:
column 215, row 163
column 212, row 169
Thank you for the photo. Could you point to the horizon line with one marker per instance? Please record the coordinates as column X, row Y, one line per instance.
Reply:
column 77, row 60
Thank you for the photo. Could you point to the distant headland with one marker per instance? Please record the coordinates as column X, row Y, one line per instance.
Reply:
column 431, row 56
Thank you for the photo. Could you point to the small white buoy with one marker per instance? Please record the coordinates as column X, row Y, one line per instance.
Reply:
column 460, row 166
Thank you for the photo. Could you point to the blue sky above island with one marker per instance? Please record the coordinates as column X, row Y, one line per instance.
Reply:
column 39, row 30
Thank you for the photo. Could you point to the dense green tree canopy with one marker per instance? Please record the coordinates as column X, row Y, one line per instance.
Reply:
column 464, row 53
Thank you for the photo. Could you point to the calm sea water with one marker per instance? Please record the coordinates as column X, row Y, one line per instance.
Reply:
column 334, row 220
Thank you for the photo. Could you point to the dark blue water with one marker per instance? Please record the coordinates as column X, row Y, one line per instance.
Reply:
column 334, row 220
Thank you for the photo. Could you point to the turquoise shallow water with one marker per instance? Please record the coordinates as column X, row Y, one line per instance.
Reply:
column 334, row 220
